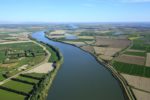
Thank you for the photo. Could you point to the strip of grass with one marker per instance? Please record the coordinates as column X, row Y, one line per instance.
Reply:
column 132, row 69
column 18, row 86
column 28, row 79
column 143, row 54
column 38, row 75
column 6, row 95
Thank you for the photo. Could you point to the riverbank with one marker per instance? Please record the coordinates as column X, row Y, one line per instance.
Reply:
column 128, row 94
column 42, row 91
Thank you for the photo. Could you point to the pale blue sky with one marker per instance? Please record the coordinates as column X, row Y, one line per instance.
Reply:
column 74, row 11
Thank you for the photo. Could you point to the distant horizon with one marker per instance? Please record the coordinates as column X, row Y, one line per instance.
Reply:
column 68, row 22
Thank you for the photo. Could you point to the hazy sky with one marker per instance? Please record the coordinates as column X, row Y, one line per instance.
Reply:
column 74, row 11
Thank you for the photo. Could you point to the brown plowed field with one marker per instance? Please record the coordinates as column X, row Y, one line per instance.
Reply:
column 131, row 59
column 114, row 43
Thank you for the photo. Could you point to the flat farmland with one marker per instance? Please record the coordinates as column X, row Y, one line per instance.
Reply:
column 131, row 59
column 88, row 48
column 148, row 60
column 138, row 82
column 133, row 50
column 105, row 57
column 140, row 95
column 28, row 79
column 6, row 95
column 16, row 57
column 114, row 43
column 143, row 54
column 23, row 87
column 85, row 37
column 132, row 69
column 75, row 43
column 106, row 50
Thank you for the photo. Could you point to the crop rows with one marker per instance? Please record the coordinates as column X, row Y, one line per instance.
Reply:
column 132, row 69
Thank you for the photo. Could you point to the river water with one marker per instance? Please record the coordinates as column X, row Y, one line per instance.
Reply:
column 81, row 77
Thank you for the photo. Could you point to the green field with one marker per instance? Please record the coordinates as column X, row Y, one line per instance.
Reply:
column 38, row 75
column 23, row 87
column 143, row 54
column 19, row 86
column 132, row 69
column 140, row 44
column 28, row 79
column 11, row 51
column 6, row 95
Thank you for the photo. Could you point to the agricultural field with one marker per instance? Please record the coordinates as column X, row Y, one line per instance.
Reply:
column 132, row 69
column 106, row 50
column 138, row 82
column 88, row 48
column 31, row 80
column 148, row 60
column 131, row 59
column 17, row 57
column 139, row 86
column 141, row 95
column 75, row 43
column 143, row 54
column 141, row 44
column 106, row 53
column 114, row 43
column 37, row 75
column 21, row 84
column 6, row 95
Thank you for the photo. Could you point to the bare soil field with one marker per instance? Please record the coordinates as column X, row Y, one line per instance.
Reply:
column 148, row 60
column 140, row 95
column 138, row 82
column 44, row 68
column 105, row 57
column 114, row 43
column 100, row 50
column 88, row 48
column 106, row 53
column 106, row 50
column 89, row 42
column 131, row 59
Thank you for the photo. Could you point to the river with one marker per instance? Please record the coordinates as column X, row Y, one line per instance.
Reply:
column 81, row 77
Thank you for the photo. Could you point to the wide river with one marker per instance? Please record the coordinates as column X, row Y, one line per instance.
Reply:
column 81, row 77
